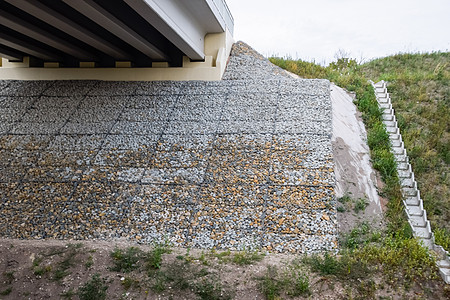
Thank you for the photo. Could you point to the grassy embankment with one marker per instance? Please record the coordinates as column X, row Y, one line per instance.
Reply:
column 419, row 85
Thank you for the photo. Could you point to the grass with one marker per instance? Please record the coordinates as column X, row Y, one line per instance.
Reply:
column 348, row 203
column 419, row 85
column 211, row 289
column 289, row 282
column 89, row 262
column 154, row 257
column 69, row 260
column 69, row 294
column 126, row 260
column 94, row 289
column 247, row 257
column 129, row 282
column 420, row 88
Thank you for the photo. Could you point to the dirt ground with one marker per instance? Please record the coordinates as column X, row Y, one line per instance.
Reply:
column 26, row 280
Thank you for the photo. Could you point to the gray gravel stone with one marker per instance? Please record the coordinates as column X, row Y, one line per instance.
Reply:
column 242, row 163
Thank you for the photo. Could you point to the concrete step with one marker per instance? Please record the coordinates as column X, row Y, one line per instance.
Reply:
column 391, row 129
column 409, row 192
column 394, row 137
column 427, row 242
column 388, row 117
column 444, row 263
column 400, row 158
column 385, row 105
column 397, row 132
column 380, row 90
column 403, row 166
column 382, row 99
column 380, row 84
column 384, row 95
column 396, row 143
column 408, row 183
column 441, row 253
column 415, row 211
column 390, row 123
column 399, row 150
column 412, row 201
column 445, row 274
column 418, row 221
column 424, row 235
column 388, row 112
column 404, row 174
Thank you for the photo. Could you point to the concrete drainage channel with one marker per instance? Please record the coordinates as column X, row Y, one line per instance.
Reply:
column 417, row 215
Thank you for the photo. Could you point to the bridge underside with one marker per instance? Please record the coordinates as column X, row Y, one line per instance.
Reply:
column 111, row 34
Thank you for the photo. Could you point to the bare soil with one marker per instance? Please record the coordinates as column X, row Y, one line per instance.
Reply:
column 237, row 281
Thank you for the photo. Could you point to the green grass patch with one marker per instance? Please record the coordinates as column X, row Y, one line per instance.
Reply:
column 211, row 289
column 247, row 257
column 442, row 237
column 6, row 291
column 419, row 85
column 290, row 281
column 94, row 289
column 126, row 260
column 154, row 257
column 129, row 283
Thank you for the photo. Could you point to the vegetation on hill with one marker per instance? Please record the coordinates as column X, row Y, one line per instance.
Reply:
column 419, row 85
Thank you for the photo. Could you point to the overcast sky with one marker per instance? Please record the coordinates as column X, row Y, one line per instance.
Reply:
column 317, row 29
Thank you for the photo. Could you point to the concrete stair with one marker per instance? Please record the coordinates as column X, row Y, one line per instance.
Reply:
column 417, row 215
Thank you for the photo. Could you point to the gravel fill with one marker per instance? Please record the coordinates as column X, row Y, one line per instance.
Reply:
column 245, row 162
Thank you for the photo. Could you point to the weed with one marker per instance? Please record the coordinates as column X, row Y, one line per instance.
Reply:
column 154, row 257
column 203, row 260
column 403, row 259
column 89, row 262
column 94, row 289
column 360, row 205
column 292, row 281
column 129, row 282
column 9, row 276
column 126, row 260
column 269, row 284
column 67, row 262
column 39, row 270
column 37, row 261
column 442, row 237
column 160, row 281
column 59, row 274
column 326, row 265
column 203, row 272
column 211, row 289
column 6, row 291
column 295, row 282
column 246, row 257
column 221, row 256
column 68, row 294
column 340, row 209
column 359, row 235
column 178, row 274
column 345, row 199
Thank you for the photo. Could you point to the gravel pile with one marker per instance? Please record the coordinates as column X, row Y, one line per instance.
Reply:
column 247, row 64
column 243, row 163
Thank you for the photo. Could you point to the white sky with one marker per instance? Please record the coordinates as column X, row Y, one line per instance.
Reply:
column 317, row 29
